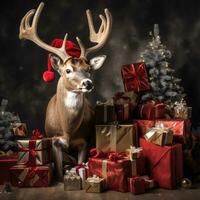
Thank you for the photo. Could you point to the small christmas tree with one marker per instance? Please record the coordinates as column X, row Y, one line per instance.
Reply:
column 165, row 86
column 7, row 121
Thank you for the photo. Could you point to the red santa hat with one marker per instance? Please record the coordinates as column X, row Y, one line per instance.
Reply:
column 71, row 49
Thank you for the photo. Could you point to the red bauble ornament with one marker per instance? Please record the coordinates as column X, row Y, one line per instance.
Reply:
column 48, row 76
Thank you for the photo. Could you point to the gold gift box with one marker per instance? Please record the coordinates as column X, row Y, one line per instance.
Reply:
column 161, row 137
column 95, row 184
column 72, row 182
column 116, row 137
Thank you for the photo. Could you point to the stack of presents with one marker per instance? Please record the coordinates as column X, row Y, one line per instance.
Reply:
column 139, row 145
column 23, row 162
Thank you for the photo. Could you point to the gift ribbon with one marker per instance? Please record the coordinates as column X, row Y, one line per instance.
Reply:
column 114, row 134
column 154, row 133
column 36, row 135
column 30, row 175
column 32, row 152
column 111, row 156
column 82, row 171
column 32, row 147
column 27, row 175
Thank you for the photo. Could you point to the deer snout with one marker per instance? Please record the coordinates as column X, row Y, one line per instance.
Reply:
column 87, row 84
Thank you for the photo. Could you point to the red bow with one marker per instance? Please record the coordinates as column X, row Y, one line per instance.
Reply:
column 112, row 156
column 36, row 135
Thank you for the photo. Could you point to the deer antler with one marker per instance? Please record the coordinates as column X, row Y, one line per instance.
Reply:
column 29, row 32
column 99, row 37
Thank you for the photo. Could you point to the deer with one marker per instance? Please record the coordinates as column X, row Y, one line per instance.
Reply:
column 69, row 114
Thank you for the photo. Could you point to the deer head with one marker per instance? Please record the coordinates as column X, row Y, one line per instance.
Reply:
column 75, row 72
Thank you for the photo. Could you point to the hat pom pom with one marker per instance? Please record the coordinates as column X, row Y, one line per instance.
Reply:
column 48, row 76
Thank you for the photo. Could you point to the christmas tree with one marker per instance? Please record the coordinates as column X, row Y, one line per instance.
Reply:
column 165, row 86
column 7, row 121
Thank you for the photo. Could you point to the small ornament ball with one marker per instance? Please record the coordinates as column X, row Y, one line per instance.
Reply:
column 186, row 183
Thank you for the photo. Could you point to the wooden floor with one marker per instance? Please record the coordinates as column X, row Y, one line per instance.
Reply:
column 56, row 192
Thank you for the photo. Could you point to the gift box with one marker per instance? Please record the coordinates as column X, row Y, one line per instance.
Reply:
column 95, row 184
column 72, row 181
column 116, row 137
column 114, row 167
column 181, row 128
column 20, row 130
column 138, row 166
column 136, row 185
column 6, row 162
column 152, row 110
column 135, row 77
column 24, row 176
column 160, row 135
column 144, row 126
column 105, row 112
column 125, row 103
column 34, row 151
column 165, row 163
column 82, row 171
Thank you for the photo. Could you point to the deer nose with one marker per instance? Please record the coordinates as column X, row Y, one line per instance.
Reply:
column 88, row 84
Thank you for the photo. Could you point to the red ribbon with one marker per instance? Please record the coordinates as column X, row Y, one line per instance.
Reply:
column 36, row 135
column 32, row 147
column 32, row 172
column 79, row 166
column 112, row 156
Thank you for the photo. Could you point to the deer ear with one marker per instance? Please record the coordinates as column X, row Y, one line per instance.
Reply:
column 55, row 62
column 97, row 62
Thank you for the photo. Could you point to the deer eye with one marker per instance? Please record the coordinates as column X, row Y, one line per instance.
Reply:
column 68, row 70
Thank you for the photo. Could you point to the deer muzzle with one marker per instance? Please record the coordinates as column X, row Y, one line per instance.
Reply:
column 87, row 85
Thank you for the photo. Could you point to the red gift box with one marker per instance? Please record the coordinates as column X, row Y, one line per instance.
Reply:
column 23, row 176
column 180, row 128
column 136, row 185
column 144, row 126
column 6, row 162
column 152, row 110
column 135, row 77
column 165, row 163
column 113, row 167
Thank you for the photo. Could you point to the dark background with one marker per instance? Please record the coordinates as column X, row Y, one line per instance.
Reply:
column 22, row 62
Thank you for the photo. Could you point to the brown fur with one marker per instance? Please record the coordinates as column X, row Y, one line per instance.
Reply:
column 72, row 124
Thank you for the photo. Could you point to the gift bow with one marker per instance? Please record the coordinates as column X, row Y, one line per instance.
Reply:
column 134, row 149
column 109, row 102
column 94, row 179
column 72, row 174
column 112, row 156
column 159, row 128
column 36, row 135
